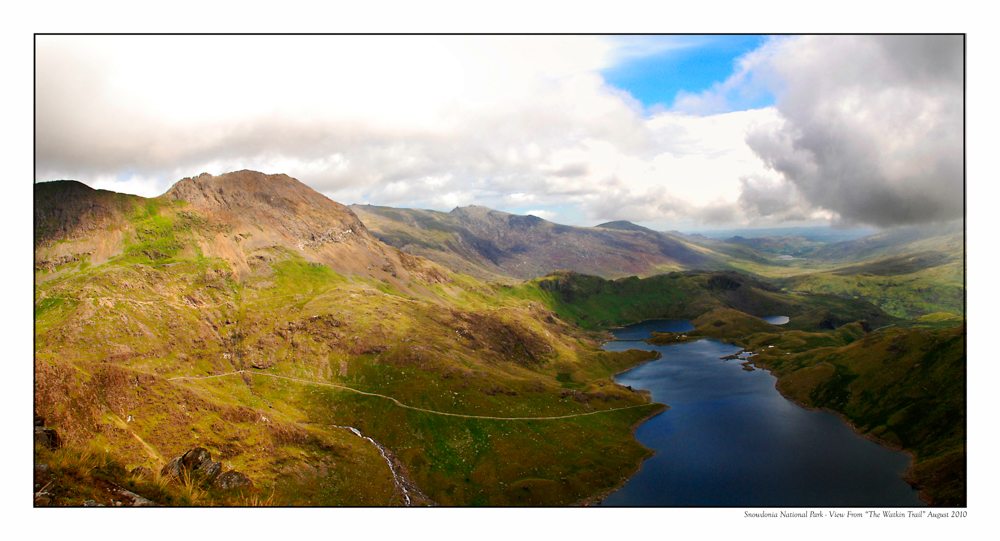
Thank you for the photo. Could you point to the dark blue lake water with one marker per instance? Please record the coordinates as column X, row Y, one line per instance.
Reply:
column 730, row 439
column 642, row 330
column 776, row 320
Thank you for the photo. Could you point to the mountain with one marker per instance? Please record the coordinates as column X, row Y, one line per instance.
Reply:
column 819, row 234
column 226, row 217
column 494, row 245
column 250, row 317
column 624, row 225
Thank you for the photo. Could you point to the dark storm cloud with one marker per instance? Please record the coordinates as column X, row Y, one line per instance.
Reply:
column 873, row 128
column 780, row 201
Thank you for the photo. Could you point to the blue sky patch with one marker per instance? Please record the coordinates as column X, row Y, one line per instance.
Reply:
column 689, row 63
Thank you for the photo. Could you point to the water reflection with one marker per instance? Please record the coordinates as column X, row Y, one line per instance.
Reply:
column 730, row 439
column 642, row 330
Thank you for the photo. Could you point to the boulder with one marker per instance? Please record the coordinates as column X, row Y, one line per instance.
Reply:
column 200, row 460
column 232, row 480
column 197, row 460
column 172, row 468
column 47, row 437
column 211, row 470
column 131, row 499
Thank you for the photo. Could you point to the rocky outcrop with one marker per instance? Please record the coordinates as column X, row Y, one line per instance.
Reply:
column 198, row 463
column 127, row 498
column 46, row 437
column 277, row 203
column 232, row 480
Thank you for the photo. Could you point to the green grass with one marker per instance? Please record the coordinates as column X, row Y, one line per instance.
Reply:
column 135, row 322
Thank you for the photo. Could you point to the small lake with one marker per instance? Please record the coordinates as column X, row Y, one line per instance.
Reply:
column 642, row 330
column 730, row 439
column 776, row 320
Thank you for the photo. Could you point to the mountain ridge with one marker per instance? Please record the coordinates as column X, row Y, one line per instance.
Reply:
column 496, row 245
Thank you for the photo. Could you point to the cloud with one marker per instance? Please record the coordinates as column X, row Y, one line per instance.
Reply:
column 872, row 128
column 509, row 122
column 779, row 200
column 430, row 122
column 751, row 81
column 337, row 110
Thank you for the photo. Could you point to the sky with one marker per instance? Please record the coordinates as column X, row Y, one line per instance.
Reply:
column 684, row 132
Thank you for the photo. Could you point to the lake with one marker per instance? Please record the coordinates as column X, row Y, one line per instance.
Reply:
column 730, row 439
column 776, row 320
column 642, row 330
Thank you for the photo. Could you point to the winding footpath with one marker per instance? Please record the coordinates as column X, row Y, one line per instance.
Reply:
column 402, row 405
column 399, row 480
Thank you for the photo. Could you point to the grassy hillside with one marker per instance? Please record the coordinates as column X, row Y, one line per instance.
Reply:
column 259, row 339
column 906, row 286
column 595, row 303
column 907, row 272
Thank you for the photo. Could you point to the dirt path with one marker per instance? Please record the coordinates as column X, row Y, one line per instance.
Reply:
column 402, row 405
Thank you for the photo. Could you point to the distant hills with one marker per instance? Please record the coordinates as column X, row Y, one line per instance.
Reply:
column 495, row 245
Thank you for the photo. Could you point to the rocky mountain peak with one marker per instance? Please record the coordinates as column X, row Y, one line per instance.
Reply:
column 277, row 203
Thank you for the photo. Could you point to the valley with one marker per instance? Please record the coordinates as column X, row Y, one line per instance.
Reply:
column 371, row 356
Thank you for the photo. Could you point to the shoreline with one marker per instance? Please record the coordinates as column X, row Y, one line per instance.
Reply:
column 906, row 476
column 599, row 496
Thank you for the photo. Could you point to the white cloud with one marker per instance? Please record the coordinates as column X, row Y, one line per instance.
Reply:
column 429, row 121
column 873, row 128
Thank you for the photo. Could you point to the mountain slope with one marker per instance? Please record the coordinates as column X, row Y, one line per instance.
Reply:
column 248, row 315
column 495, row 245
